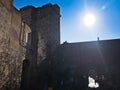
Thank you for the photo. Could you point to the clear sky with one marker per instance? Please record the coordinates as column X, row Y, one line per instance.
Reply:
column 106, row 12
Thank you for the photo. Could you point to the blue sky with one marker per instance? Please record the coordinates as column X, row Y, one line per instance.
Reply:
column 107, row 13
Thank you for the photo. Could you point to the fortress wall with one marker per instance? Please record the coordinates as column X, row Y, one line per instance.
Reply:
column 12, row 53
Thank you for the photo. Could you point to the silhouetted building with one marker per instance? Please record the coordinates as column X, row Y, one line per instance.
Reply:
column 74, row 62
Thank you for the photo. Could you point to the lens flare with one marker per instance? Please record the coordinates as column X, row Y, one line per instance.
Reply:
column 89, row 20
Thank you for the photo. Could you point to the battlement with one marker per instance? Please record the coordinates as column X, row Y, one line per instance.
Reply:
column 43, row 7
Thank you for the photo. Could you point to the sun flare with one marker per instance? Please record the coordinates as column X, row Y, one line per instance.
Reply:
column 89, row 20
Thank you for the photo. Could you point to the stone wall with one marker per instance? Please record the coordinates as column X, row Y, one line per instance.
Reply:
column 48, row 26
column 98, row 59
column 11, row 53
column 45, row 24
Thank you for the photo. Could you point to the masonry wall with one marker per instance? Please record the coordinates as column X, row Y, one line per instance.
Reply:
column 48, row 26
column 45, row 24
column 80, row 60
column 12, row 53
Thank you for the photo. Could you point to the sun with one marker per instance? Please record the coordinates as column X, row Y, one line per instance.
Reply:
column 89, row 20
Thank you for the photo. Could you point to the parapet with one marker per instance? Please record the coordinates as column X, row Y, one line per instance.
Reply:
column 44, row 7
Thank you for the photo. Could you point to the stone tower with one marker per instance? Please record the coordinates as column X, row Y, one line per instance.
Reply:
column 45, row 36
column 45, row 25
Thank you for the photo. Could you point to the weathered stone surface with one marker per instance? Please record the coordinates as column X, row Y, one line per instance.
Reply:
column 45, row 24
column 14, row 26
column 11, row 53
